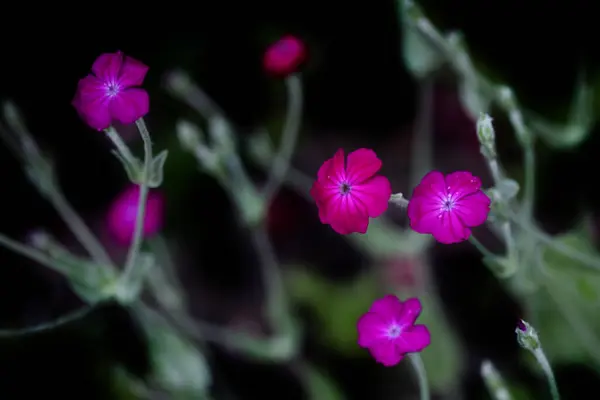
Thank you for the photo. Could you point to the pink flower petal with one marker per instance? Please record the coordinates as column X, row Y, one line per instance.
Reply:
column 91, row 103
column 414, row 339
column 411, row 309
column 371, row 329
column 424, row 215
column 374, row 194
column 432, row 185
column 462, row 183
column 450, row 229
column 386, row 352
column 362, row 165
column 389, row 308
column 346, row 215
column 133, row 72
column 473, row 209
column 107, row 66
column 130, row 105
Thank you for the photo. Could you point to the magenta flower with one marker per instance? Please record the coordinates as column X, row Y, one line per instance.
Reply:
column 109, row 93
column 388, row 330
column 122, row 214
column 347, row 196
column 284, row 56
column 448, row 207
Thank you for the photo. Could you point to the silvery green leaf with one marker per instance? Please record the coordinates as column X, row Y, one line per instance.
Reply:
column 578, row 125
column 507, row 188
column 156, row 169
column 178, row 365
column 132, row 169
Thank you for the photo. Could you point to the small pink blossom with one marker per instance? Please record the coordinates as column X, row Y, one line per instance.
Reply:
column 348, row 195
column 284, row 56
column 110, row 92
column 388, row 330
column 447, row 207
column 122, row 214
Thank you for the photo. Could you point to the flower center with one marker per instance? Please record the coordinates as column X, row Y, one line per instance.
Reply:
column 112, row 88
column 394, row 331
column 448, row 203
column 345, row 188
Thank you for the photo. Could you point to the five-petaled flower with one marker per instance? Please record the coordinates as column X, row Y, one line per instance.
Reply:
column 388, row 330
column 110, row 92
column 348, row 195
column 122, row 215
column 447, row 207
column 284, row 56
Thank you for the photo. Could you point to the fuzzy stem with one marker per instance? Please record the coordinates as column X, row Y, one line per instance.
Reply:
column 545, row 365
column 138, row 235
column 289, row 138
column 81, row 231
column 419, row 367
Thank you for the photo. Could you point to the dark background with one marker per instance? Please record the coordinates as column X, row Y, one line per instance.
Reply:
column 357, row 91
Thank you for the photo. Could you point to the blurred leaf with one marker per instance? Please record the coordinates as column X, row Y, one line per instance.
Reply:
column 156, row 169
column 383, row 239
column 179, row 367
column 420, row 56
column 579, row 121
column 320, row 386
column 337, row 308
column 443, row 358
column 565, row 309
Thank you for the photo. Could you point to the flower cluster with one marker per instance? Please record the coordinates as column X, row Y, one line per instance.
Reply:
column 348, row 193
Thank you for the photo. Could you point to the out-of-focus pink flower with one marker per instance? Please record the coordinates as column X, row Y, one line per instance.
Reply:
column 284, row 56
column 401, row 270
column 447, row 207
column 110, row 92
column 388, row 330
column 122, row 214
column 347, row 196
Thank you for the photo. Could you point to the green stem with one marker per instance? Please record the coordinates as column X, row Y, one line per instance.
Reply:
column 545, row 365
column 138, row 235
column 289, row 138
column 122, row 148
column 419, row 368
column 30, row 253
column 81, row 231
column 529, row 166
column 421, row 160
column 482, row 249
column 46, row 326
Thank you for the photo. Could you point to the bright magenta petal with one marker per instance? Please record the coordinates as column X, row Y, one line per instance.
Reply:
column 130, row 105
column 414, row 339
column 462, row 183
column 473, row 209
column 411, row 308
column 371, row 329
column 451, row 229
column 386, row 352
column 362, row 165
column 432, row 185
column 108, row 66
column 374, row 194
column 346, row 215
column 133, row 72
column 388, row 307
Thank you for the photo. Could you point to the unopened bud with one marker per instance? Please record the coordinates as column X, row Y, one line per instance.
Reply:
column 189, row 135
column 486, row 136
column 527, row 336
